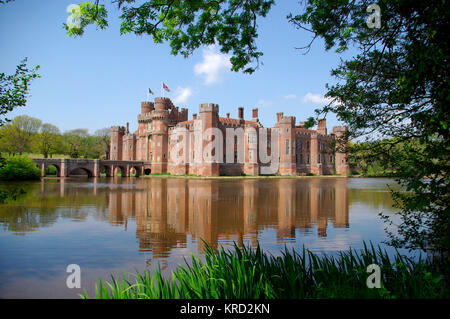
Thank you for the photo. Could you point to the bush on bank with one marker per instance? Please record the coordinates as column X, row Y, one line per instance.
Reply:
column 246, row 273
column 18, row 168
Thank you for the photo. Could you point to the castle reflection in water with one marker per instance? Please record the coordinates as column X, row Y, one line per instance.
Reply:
column 167, row 211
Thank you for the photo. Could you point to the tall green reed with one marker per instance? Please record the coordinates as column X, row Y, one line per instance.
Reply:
column 246, row 273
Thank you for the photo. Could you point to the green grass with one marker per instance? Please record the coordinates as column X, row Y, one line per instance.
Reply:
column 246, row 273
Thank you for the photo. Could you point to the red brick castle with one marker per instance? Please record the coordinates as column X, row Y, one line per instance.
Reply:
column 210, row 145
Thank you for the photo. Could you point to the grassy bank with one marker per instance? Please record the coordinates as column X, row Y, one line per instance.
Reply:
column 246, row 273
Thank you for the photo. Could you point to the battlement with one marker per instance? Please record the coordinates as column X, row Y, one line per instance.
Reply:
column 209, row 107
column 340, row 129
column 290, row 120
column 163, row 103
column 147, row 107
column 120, row 129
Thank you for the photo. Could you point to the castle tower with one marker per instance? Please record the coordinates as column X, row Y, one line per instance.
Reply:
column 286, row 144
column 159, row 135
column 251, row 166
column 209, row 116
column 322, row 126
column 117, row 133
column 341, row 155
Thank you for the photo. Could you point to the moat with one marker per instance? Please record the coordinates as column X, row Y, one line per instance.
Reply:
column 111, row 225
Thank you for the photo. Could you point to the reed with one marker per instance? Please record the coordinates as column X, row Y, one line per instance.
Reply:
column 247, row 273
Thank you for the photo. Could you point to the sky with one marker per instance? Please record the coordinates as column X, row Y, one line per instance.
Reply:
column 99, row 80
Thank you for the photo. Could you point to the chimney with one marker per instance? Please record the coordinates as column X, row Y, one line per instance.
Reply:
column 255, row 115
column 128, row 127
column 228, row 115
column 194, row 116
column 241, row 112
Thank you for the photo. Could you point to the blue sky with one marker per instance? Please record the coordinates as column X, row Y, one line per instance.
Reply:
column 100, row 79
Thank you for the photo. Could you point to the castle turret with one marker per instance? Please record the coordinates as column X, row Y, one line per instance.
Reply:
column 209, row 115
column 117, row 133
column 286, row 144
column 147, row 107
column 159, row 135
column 341, row 155
column 322, row 126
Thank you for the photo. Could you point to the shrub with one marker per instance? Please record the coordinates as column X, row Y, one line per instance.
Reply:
column 19, row 168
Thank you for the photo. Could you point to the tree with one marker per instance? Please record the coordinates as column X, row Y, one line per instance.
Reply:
column 396, row 87
column 310, row 122
column 187, row 25
column 19, row 134
column 14, row 89
column 74, row 141
column 104, row 138
column 48, row 139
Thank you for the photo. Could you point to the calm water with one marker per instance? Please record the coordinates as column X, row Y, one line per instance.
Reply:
column 108, row 226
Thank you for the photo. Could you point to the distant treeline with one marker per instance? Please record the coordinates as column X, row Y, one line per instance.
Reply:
column 371, row 158
column 25, row 134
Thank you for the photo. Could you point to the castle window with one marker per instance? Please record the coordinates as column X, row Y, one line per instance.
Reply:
column 318, row 158
column 301, row 158
column 331, row 158
column 307, row 145
column 287, row 147
column 308, row 159
column 301, row 145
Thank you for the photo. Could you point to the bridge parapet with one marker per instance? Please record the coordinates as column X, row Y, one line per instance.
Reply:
column 93, row 167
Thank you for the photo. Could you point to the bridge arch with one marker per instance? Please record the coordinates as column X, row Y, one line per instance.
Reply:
column 83, row 169
column 107, row 170
column 58, row 168
column 123, row 170
column 137, row 170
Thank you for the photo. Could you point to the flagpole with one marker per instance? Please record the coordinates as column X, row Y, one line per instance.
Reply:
column 162, row 90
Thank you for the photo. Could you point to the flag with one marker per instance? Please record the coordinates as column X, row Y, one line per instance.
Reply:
column 150, row 91
column 166, row 88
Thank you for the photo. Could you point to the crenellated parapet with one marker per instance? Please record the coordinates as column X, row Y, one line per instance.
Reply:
column 147, row 107
column 163, row 103
column 286, row 120
column 120, row 129
column 209, row 107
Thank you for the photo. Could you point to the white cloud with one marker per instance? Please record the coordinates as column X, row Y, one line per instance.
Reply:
column 290, row 96
column 213, row 65
column 182, row 95
column 316, row 98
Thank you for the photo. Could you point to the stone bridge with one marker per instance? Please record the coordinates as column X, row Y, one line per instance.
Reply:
column 92, row 167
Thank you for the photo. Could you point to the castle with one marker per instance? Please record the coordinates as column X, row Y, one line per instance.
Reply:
column 167, row 142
